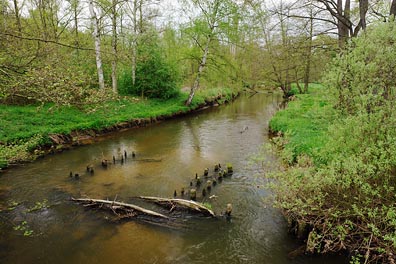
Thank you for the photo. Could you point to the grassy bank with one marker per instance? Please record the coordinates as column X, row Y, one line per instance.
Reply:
column 24, row 128
column 304, row 124
column 337, row 193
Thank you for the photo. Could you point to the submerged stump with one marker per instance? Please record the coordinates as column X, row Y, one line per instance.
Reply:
column 193, row 194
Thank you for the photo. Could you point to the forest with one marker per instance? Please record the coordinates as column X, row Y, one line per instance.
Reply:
column 94, row 64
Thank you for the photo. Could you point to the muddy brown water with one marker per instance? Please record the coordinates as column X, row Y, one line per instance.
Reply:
column 167, row 157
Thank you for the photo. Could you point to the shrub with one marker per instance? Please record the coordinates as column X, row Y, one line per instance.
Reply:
column 155, row 76
column 348, row 198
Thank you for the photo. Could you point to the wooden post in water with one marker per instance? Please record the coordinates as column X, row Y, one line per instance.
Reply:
column 193, row 194
column 198, row 182
column 229, row 210
column 209, row 185
column 220, row 178
column 216, row 167
column 229, row 168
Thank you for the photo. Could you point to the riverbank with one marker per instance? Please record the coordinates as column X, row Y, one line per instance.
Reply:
column 337, row 190
column 303, row 124
column 28, row 132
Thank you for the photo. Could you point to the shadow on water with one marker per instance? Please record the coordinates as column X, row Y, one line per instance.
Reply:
column 168, row 155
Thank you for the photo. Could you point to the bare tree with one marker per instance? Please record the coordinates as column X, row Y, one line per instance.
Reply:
column 341, row 11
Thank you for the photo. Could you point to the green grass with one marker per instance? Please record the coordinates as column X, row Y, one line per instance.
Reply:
column 20, row 124
column 304, row 123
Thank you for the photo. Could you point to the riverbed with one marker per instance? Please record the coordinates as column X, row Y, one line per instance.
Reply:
column 168, row 156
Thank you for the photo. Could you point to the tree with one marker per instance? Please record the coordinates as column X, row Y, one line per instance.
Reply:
column 208, row 26
column 114, row 41
column 96, row 36
column 156, row 77
column 342, row 13
column 393, row 10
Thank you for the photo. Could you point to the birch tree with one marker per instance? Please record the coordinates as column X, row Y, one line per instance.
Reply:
column 212, row 13
column 96, row 37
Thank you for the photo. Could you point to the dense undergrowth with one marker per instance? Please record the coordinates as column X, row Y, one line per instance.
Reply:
column 24, row 128
column 340, row 143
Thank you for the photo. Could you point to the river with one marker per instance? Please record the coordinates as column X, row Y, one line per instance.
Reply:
column 168, row 155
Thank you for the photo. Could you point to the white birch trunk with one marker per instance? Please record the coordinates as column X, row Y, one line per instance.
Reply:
column 212, row 25
column 96, row 36
column 201, row 67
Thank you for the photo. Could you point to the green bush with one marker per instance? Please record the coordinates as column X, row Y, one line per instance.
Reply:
column 348, row 198
column 155, row 76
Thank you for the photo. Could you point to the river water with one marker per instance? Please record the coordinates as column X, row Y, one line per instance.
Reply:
column 168, row 155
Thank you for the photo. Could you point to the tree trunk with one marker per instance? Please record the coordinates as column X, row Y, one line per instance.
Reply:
column 17, row 17
column 134, row 40
column 119, row 206
column 192, row 205
column 393, row 10
column 363, row 8
column 212, row 17
column 343, row 32
column 96, row 36
column 141, row 17
column 201, row 67
column 307, row 71
column 114, row 47
column 75, row 13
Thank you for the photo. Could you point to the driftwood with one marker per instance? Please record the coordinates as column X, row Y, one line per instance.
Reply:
column 187, row 204
column 129, row 210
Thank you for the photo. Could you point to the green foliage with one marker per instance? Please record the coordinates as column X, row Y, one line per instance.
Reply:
column 208, row 205
column 156, row 77
column 19, row 149
column 363, row 77
column 348, row 197
column 304, row 123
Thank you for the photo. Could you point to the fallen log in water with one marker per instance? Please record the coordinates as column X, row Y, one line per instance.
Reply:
column 187, row 204
column 128, row 209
